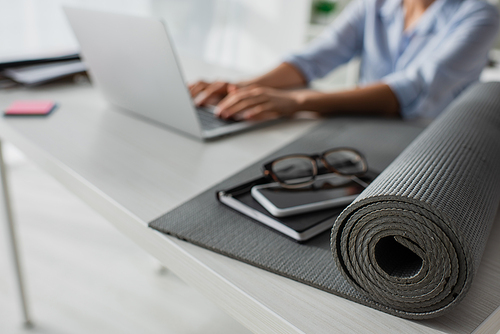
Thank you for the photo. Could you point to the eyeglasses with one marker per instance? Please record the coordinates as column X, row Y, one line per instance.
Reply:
column 300, row 170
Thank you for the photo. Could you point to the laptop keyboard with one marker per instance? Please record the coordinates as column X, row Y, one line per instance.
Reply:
column 209, row 121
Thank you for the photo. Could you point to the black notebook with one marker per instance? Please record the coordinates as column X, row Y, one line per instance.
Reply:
column 298, row 227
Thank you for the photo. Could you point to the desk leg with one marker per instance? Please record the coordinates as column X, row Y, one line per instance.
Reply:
column 13, row 241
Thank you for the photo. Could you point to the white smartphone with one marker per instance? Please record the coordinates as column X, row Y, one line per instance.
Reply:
column 328, row 191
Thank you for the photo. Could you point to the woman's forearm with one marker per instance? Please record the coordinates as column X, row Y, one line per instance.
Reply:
column 284, row 76
column 376, row 99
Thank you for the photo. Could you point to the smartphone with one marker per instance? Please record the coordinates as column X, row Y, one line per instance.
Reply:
column 328, row 191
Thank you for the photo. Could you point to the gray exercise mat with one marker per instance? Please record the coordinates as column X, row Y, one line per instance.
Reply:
column 413, row 240
column 207, row 223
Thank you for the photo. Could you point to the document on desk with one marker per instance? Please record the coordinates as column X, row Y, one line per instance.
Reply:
column 411, row 243
column 37, row 74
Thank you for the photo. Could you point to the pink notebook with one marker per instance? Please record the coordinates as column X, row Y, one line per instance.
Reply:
column 26, row 108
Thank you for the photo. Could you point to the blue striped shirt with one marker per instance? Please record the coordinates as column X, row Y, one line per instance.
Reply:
column 426, row 66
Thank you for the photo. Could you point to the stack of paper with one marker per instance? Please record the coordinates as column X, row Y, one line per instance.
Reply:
column 38, row 74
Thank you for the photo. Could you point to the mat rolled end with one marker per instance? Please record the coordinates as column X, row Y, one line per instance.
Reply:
column 402, row 254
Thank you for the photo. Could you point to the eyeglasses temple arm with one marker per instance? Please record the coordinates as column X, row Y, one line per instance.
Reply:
column 369, row 176
column 243, row 188
column 359, row 181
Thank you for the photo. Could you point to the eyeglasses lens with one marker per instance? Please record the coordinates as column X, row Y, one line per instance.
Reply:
column 346, row 162
column 294, row 170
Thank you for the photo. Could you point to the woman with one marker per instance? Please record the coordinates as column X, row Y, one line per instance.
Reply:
column 416, row 57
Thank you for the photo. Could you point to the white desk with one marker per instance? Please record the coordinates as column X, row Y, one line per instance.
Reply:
column 131, row 171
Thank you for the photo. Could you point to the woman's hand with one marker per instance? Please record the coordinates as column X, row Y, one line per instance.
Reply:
column 282, row 77
column 256, row 103
column 205, row 93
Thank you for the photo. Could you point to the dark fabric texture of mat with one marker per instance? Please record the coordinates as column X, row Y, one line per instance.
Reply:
column 207, row 223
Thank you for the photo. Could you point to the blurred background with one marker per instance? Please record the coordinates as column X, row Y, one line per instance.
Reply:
column 242, row 34
column 102, row 282
column 250, row 36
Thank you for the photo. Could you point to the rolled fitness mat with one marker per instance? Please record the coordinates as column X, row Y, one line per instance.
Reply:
column 413, row 240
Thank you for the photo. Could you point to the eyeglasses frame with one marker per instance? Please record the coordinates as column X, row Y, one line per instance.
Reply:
column 243, row 188
column 314, row 158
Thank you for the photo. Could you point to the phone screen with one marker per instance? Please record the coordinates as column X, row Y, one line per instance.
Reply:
column 286, row 198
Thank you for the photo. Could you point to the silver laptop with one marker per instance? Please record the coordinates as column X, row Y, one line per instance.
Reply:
column 132, row 61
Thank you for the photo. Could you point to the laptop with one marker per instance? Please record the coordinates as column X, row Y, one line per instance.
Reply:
column 133, row 63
